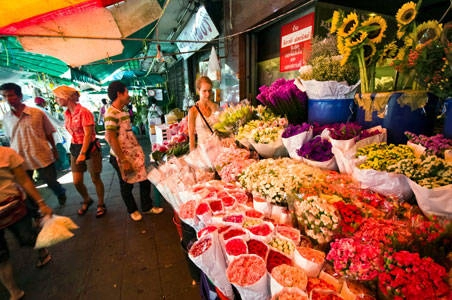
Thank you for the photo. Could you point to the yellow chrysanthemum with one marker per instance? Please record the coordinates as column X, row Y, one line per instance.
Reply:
column 349, row 25
column 335, row 21
column 369, row 51
column 356, row 39
column 406, row 14
column 427, row 32
column 376, row 28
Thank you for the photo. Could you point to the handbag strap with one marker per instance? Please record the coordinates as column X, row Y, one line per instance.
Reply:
column 205, row 121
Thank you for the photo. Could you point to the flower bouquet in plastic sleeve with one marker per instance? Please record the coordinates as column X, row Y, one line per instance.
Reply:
column 310, row 260
column 286, row 276
column 372, row 169
column 266, row 141
column 262, row 231
column 55, row 229
column 206, row 253
column 430, row 179
column 235, row 247
column 248, row 274
column 294, row 136
column 317, row 153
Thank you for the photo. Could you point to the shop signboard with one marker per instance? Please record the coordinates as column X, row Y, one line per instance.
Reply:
column 198, row 31
column 295, row 43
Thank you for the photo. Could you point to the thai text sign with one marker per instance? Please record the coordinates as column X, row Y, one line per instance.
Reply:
column 198, row 29
column 295, row 43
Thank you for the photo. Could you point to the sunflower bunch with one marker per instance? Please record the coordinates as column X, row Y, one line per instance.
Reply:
column 421, row 59
column 360, row 41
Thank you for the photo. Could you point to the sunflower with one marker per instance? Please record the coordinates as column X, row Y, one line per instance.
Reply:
column 335, row 21
column 345, row 56
column 356, row 39
column 377, row 27
column 427, row 32
column 349, row 25
column 369, row 51
column 407, row 13
column 389, row 52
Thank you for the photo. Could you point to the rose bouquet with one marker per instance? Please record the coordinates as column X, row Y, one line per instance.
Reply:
column 408, row 276
column 317, row 149
column 285, row 99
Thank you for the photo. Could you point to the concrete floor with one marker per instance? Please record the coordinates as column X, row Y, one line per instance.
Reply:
column 111, row 257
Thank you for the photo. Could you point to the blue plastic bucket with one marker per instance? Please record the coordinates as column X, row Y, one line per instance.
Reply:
column 448, row 120
column 399, row 119
column 327, row 111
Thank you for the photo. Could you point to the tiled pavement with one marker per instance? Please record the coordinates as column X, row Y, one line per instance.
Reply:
column 111, row 257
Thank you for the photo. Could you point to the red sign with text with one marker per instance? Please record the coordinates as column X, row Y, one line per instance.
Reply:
column 296, row 43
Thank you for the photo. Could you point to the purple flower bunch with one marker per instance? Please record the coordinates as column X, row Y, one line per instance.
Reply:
column 292, row 130
column 434, row 145
column 284, row 98
column 344, row 131
column 317, row 149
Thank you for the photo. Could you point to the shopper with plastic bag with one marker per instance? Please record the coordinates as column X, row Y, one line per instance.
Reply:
column 14, row 215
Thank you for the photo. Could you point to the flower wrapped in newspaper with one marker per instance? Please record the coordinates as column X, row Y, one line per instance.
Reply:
column 248, row 274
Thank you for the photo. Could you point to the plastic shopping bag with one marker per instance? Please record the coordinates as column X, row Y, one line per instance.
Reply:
column 55, row 229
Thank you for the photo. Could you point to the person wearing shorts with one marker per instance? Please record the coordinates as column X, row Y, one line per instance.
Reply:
column 85, row 148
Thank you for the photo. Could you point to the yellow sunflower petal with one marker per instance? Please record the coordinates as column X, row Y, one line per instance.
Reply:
column 427, row 32
column 376, row 28
column 407, row 13
column 335, row 21
column 356, row 39
column 369, row 51
column 349, row 25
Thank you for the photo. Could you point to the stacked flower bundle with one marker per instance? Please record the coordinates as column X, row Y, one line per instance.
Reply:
column 285, row 99
column 434, row 145
column 232, row 118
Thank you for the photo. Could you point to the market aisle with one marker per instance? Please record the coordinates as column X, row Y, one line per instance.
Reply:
column 108, row 258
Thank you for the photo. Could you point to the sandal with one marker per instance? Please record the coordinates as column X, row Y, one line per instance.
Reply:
column 42, row 261
column 85, row 206
column 101, row 210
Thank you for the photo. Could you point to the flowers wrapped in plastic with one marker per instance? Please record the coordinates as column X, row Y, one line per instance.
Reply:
column 294, row 136
column 55, row 229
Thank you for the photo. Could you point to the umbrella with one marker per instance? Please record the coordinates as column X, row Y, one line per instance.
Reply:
column 75, row 51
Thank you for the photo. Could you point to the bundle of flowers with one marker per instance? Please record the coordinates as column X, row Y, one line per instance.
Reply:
column 356, row 259
column 317, row 149
column 422, row 60
column 283, row 245
column 318, row 219
column 310, row 260
column 351, row 217
column 408, row 276
column 434, row 145
column 177, row 146
column 276, row 258
column 266, row 135
column 290, row 294
column 429, row 172
column 344, row 131
column 247, row 131
column 381, row 155
column 232, row 118
column 235, row 246
column 229, row 155
column 229, row 172
column 289, row 276
column 292, row 130
column 387, row 233
column 285, row 99
column 273, row 179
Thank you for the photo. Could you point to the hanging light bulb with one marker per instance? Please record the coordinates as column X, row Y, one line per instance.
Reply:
column 159, row 55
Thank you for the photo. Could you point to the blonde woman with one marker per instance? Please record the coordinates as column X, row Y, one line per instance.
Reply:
column 201, row 115
column 85, row 148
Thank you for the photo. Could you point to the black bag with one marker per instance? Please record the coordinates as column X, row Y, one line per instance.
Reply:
column 12, row 213
column 76, row 148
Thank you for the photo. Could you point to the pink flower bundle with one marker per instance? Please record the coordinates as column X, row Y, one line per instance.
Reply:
column 408, row 276
column 355, row 259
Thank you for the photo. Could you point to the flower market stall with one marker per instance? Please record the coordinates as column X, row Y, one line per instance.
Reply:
column 270, row 227
column 285, row 207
